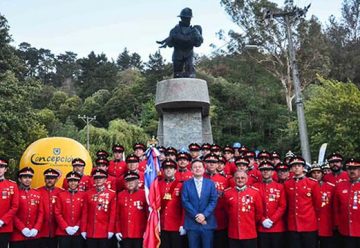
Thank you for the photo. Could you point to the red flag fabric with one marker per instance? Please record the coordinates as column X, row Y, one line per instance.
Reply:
column 152, row 233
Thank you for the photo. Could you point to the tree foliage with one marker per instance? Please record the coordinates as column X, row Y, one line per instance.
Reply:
column 119, row 131
column 270, row 36
column 19, row 125
column 333, row 116
column 343, row 39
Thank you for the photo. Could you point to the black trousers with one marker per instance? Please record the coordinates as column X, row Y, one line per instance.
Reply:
column 4, row 240
column 170, row 239
column 271, row 240
column 351, row 242
column 32, row 243
column 327, row 242
column 221, row 239
column 183, row 67
column 71, row 242
column 338, row 239
column 48, row 242
column 132, row 243
column 242, row 243
column 97, row 243
column 184, row 241
column 302, row 239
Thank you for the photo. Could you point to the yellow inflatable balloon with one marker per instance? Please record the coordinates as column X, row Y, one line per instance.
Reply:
column 56, row 153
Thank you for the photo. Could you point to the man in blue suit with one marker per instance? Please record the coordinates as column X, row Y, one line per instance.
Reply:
column 199, row 198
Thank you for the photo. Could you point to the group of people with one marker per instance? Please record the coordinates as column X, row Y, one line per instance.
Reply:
column 210, row 197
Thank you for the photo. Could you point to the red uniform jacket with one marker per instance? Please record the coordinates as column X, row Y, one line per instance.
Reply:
column 326, row 218
column 85, row 183
column 230, row 168
column 142, row 165
column 9, row 204
column 117, row 168
column 121, row 182
column 68, row 211
column 304, row 200
column 347, row 208
column 131, row 214
column 182, row 176
column 244, row 210
column 49, row 199
column 254, row 176
column 221, row 183
column 274, row 205
column 30, row 214
column 99, row 213
column 336, row 178
column 171, row 213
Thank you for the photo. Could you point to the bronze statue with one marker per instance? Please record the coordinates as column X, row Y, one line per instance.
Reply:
column 183, row 37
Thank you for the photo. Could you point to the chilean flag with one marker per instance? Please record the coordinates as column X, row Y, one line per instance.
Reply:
column 152, row 233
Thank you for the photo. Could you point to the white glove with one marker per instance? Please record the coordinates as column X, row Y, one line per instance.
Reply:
column 75, row 228
column 150, row 209
column 267, row 223
column 110, row 235
column 26, row 232
column 118, row 236
column 83, row 234
column 70, row 230
column 33, row 232
column 182, row 231
column 1, row 223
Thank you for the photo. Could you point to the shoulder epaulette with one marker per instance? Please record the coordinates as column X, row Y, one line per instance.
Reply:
column 331, row 184
column 313, row 179
column 11, row 181
column 111, row 190
column 227, row 189
column 254, row 188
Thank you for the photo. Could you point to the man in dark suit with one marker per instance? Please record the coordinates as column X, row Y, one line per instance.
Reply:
column 199, row 197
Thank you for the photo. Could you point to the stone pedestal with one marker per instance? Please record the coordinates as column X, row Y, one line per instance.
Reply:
column 183, row 105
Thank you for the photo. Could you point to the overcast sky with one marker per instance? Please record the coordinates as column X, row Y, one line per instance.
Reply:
column 107, row 26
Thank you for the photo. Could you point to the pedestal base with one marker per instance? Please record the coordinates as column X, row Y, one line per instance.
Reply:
column 183, row 105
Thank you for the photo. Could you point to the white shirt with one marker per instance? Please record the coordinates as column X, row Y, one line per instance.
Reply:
column 198, row 185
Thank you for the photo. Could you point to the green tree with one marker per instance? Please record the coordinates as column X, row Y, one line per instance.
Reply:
column 119, row 131
column 58, row 98
column 135, row 61
column 67, row 129
column 47, row 118
column 343, row 39
column 9, row 61
column 156, row 69
column 19, row 125
column 333, row 117
column 96, row 73
column 94, row 106
column 40, row 63
column 149, row 117
column 127, row 98
column 251, row 113
column 272, row 43
column 30, row 56
column 67, row 71
column 124, row 60
column 70, row 108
